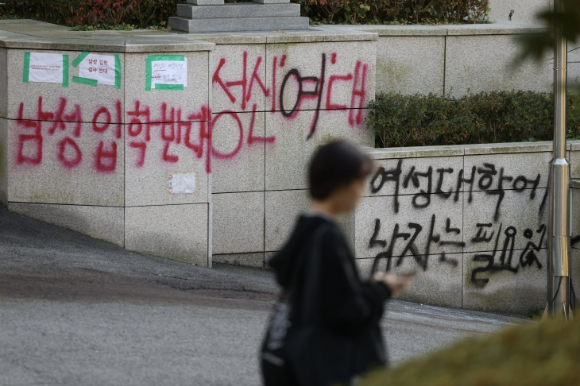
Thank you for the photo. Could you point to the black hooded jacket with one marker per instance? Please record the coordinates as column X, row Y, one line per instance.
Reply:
column 348, row 305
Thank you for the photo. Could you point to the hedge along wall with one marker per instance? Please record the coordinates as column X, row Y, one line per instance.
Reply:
column 146, row 12
column 396, row 11
column 471, row 219
column 106, row 13
column 486, row 117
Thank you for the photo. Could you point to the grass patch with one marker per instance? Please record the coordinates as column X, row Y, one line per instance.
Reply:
column 106, row 27
column 120, row 27
column 540, row 354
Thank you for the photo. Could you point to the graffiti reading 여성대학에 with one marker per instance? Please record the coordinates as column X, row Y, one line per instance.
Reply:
column 486, row 178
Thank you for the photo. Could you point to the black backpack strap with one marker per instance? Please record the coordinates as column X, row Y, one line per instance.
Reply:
column 311, row 279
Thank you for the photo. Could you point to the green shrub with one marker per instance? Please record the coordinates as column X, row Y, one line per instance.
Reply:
column 142, row 13
column 540, row 354
column 103, row 13
column 499, row 116
column 396, row 11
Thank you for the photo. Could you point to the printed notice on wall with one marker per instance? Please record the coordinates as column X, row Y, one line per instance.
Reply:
column 98, row 69
column 182, row 183
column 166, row 72
column 45, row 68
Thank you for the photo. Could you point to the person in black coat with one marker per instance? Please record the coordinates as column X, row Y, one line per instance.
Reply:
column 325, row 327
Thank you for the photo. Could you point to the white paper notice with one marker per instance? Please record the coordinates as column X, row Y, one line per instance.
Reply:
column 98, row 67
column 183, row 183
column 46, row 68
column 169, row 72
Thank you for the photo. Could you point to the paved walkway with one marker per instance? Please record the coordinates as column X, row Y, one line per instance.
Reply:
column 77, row 311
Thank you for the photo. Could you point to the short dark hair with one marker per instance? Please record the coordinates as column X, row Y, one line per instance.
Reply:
column 335, row 165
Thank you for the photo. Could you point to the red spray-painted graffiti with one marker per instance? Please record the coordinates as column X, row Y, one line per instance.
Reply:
column 194, row 132
column 290, row 92
column 307, row 88
column 243, row 83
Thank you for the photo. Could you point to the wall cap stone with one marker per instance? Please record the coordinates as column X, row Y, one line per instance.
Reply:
column 574, row 145
column 404, row 30
column 224, row 38
column 324, row 34
column 460, row 150
column 312, row 35
column 414, row 152
column 501, row 27
column 507, row 148
column 31, row 34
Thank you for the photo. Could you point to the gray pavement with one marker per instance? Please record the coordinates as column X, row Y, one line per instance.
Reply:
column 77, row 311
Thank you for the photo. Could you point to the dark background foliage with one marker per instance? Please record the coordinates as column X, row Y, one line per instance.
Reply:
column 396, row 11
column 486, row 117
column 106, row 13
column 143, row 13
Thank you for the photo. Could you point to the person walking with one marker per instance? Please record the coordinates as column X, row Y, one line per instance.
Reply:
column 324, row 329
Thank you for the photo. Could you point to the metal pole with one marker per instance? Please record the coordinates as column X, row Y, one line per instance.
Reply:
column 559, row 221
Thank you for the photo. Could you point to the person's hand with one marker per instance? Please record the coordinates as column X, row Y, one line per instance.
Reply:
column 395, row 283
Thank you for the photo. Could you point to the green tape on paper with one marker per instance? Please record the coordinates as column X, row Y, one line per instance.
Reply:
column 174, row 87
column 177, row 58
column 117, row 72
column 65, row 61
column 90, row 82
column 80, row 58
column 148, row 72
column 26, row 73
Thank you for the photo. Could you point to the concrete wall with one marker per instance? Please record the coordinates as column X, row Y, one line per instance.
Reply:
column 458, row 59
column 99, row 159
column 470, row 218
column 257, row 105
column 573, row 69
column 266, row 130
column 575, row 203
column 525, row 11
column 259, row 187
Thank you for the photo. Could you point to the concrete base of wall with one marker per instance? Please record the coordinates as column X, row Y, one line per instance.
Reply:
column 177, row 232
column 257, row 260
column 103, row 223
